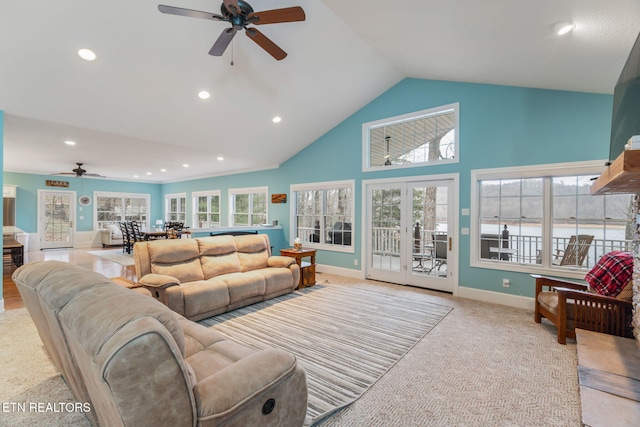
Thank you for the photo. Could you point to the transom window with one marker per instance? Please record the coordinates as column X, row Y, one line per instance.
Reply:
column 111, row 208
column 206, row 209
column 410, row 140
column 323, row 214
column 547, row 218
column 248, row 206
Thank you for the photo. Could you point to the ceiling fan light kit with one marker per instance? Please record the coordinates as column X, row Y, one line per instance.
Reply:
column 240, row 15
column 80, row 172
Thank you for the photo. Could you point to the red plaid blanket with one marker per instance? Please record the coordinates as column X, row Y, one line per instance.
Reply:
column 611, row 273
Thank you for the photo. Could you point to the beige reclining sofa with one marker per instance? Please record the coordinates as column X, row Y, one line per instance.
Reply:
column 131, row 361
column 202, row 277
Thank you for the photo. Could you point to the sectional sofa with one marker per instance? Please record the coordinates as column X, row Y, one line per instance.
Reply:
column 131, row 361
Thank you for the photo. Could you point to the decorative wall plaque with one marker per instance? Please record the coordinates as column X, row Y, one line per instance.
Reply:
column 53, row 183
column 278, row 198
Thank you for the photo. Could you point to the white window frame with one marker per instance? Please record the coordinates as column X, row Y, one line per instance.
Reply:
column 97, row 194
column 367, row 127
column 167, row 206
column 323, row 186
column 233, row 192
column 195, row 213
column 594, row 168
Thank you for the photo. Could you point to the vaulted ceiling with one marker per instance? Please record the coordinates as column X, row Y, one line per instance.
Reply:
column 134, row 111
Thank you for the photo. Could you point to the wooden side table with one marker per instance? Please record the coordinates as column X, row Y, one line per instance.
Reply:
column 307, row 268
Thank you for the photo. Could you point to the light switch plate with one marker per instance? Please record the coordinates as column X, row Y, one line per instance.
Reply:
column 464, row 230
column 465, row 211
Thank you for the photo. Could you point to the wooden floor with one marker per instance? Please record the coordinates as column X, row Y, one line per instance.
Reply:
column 79, row 257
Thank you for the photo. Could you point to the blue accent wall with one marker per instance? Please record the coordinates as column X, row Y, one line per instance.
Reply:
column 29, row 184
column 500, row 126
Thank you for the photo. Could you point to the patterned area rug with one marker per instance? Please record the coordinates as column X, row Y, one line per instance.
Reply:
column 344, row 337
column 115, row 255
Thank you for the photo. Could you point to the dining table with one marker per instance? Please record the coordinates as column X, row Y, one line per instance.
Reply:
column 154, row 234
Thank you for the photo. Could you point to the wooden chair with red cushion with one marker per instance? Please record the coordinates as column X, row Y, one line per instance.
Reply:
column 604, row 305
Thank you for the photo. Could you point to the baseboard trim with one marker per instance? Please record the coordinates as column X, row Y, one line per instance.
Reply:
column 340, row 271
column 516, row 301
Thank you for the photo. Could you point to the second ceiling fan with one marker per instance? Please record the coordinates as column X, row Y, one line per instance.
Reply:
column 240, row 14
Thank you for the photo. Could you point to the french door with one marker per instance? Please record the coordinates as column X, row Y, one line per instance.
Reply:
column 56, row 215
column 411, row 233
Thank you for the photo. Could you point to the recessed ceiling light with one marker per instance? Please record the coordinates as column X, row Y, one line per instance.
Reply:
column 70, row 142
column 185, row 165
column 563, row 27
column 87, row 54
column 220, row 158
column 148, row 173
column 276, row 119
column 203, row 94
column 163, row 170
column 135, row 176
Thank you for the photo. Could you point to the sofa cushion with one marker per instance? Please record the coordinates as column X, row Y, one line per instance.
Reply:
column 243, row 286
column 202, row 296
column 115, row 231
column 276, row 279
column 218, row 256
column 626, row 294
column 253, row 251
column 178, row 258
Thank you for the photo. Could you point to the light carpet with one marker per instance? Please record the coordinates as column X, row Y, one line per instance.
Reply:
column 115, row 255
column 484, row 365
column 345, row 338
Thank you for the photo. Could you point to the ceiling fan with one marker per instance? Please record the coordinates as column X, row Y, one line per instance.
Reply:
column 80, row 172
column 240, row 14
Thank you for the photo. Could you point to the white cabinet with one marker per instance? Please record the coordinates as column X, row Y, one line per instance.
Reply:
column 9, row 191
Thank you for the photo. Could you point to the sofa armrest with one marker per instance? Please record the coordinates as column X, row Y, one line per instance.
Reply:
column 237, row 384
column 280, row 261
column 165, row 289
column 159, row 281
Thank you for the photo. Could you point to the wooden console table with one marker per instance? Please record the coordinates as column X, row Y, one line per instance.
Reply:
column 14, row 249
column 307, row 269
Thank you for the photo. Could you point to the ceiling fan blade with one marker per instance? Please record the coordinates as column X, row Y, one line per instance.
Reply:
column 276, row 16
column 232, row 6
column 190, row 13
column 223, row 41
column 94, row 175
column 266, row 43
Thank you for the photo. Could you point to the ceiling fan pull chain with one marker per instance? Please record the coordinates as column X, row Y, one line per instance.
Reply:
column 232, row 53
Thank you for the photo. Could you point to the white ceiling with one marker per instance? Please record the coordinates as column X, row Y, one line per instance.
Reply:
column 135, row 109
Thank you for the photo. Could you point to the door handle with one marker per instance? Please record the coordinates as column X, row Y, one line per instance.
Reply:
column 450, row 243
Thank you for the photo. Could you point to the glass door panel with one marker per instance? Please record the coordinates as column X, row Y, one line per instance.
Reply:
column 56, row 213
column 386, row 207
column 409, row 240
column 431, row 244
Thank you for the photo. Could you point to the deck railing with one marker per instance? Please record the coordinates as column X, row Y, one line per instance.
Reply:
column 526, row 249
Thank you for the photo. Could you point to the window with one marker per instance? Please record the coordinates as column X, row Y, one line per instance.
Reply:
column 176, row 207
column 546, row 217
column 411, row 140
column 111, row 208
column 206, row 209
column 323, row 214
column 248, row 206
